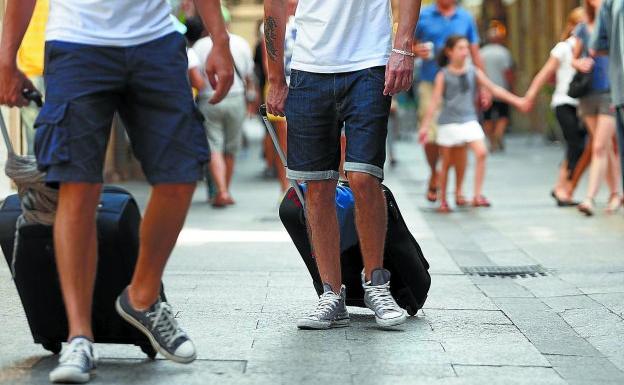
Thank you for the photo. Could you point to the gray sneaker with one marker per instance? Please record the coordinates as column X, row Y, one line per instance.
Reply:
column 76, row 363
column 330, row 312
column 378, row 298
column 160, row 327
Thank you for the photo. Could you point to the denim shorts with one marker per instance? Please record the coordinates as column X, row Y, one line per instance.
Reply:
column 317, row 108
column 147, row 84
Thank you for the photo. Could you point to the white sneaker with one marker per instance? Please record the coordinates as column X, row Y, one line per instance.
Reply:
column 330, row 311
column 76, row 363
column 378, row 298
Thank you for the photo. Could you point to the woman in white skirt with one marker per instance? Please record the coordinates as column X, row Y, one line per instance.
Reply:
column 458, row 126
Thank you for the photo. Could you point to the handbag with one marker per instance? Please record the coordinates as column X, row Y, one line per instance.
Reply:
column 581, row 85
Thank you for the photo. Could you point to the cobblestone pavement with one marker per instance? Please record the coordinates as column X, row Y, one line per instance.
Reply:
column 238, row 285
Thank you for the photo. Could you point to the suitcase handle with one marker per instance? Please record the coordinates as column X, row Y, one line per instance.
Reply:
column 280, row 152
column 33, row 96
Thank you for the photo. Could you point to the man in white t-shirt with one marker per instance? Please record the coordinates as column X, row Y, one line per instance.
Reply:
column 224, row 120
column 344, row 70
column 104, row 57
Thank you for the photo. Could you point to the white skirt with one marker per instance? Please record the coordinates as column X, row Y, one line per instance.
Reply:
column 458, row 134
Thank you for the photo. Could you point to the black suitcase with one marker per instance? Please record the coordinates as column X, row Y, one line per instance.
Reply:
column 403, row 256
column 36, row 278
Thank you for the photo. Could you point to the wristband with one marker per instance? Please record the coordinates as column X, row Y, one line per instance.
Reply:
column 404, row 53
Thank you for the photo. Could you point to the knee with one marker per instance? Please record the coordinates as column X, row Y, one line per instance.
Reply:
column 600, row 149
column 481, row 155
column 363, row 184
column 321, row 192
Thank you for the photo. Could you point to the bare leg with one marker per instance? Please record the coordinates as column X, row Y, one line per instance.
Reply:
column 604, row 131
column 447, row 162
column 75, row 240
column 371, row 219
column 432, row 152
column 490, row 133
column 480, row 152
column 324, row 230
column 614, row 173
column 459, row 156
column 230, row 161
column 218, row 171
column 499, row 132
column 585, row 160
column 164, row 218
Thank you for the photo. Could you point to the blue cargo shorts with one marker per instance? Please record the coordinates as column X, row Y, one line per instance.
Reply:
column 317, row 108
column 146, row 84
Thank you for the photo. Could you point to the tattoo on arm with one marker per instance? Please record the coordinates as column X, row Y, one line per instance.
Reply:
column 270, row 37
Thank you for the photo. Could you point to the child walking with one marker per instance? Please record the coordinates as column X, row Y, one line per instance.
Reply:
column 458, row 126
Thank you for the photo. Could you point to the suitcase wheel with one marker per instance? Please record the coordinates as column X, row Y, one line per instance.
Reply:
column 54, row 347
column 149, row 350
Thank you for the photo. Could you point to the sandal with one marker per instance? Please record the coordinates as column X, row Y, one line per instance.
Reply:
column 461, row 201
column 587, row 207
column 481, row 201
column 444, row 208
column 562, row 202
column 432, row 194
column 615, row 202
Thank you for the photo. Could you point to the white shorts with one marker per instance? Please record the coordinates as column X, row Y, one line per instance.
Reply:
column 458, row 134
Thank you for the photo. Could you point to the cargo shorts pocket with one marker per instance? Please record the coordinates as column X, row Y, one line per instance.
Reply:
column 52, row 137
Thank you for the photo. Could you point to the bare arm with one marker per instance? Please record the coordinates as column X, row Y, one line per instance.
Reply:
column 197, row 81
column 219, row 64
column 12, row 80
column 434, row 105
column 275, row 15
column 581, row 64
column 499, row 92
column 400, row 68
column 542, row 77
column 475, row 53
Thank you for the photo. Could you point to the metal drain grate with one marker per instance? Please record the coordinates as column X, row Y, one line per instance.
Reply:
column 506, row 271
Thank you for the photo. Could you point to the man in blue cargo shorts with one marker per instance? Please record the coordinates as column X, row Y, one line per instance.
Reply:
column 102, row 57
column 344, row 70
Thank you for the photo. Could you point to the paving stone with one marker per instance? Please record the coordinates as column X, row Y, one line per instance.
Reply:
column 588, row 369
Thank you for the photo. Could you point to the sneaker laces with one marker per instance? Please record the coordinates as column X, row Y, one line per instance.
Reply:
column 381, row 297
column 165, row 323
column 78, row 354
column 327, row 301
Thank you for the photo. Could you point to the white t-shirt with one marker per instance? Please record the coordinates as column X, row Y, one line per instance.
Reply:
column 242, row 59
column 497, row 60
column 193, row 60
column 342, row 35
column 565, row 73
column 117, row 23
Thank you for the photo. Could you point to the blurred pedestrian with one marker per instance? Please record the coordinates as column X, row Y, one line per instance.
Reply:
column 136, row 65
column 224, row 120
column 437, row 23
column 455, row 90
column 574, row 133
column 609, row 38
column 344, row 71
column 498, row 65
column 30, row 62
column 598, row 113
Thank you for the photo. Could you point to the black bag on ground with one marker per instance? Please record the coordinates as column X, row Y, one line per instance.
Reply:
column 403, row 257
column 36, row 277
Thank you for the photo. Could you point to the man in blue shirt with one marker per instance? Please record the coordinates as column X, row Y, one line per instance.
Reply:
column 437, row 23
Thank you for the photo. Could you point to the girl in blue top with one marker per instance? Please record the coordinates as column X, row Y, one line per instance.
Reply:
column 455, row 88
